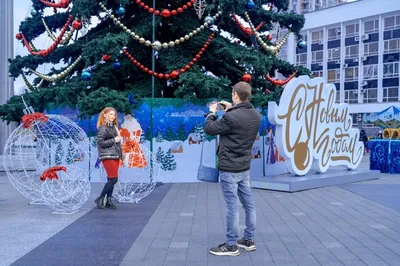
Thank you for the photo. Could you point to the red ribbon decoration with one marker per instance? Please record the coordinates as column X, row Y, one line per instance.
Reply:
column 246, row 30
column 27, row 120
column 51, row 173
column 62, row 4
column 165, row 13
column 49, row 50
column 175, row 73
column 278, row 82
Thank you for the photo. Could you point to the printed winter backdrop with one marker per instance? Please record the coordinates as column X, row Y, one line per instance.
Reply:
column 178, row 138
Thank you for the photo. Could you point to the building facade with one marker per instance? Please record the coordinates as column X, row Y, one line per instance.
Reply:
column 356, row 46
column 305, row 6
column 6, row 52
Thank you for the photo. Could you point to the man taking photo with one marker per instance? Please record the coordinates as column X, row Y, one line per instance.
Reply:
column 237, row 130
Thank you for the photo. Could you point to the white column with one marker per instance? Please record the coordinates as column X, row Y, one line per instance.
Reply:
column 380, row 60
column 309, row 43
column 342, row 56
column 6, row 52
column 325, row 54
column 360, row 65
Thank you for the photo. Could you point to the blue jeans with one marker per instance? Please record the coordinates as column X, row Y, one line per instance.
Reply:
column 236, row 186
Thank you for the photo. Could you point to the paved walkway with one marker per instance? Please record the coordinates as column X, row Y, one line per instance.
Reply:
column 177, row 224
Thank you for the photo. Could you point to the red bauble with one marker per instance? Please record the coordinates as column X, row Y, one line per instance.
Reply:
column 155, row 74
column 248, row 31
column 156, row 12
column 165, row 13
column 160, row 76
column 77, row 24
column 138, row 1
column 142, row 4
column 146, row 7
column 18, row 36
column 174, row 74
column 187, row 67
column 174, row 13
column 198, row 56
column 44, row 53
column 166, row 76
column 269, row 37
column 182, row 70
column 189, row 4
column 151, row 10
column 146, row 69
column 246, row 78
column 150, row 72
column 106, row 57
column 184, row 7
column 180, row 10
column 64, row 3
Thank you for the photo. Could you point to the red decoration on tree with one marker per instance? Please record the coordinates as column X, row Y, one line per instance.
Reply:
column 175, row 73
column 61, row 4
column 49, row 50
column 280, row 83
column 51, row 173
column 28, row 119
column 246, row 30
column 246, row 78
column 106, row 57
column 77, row 24
column 18, row 36
column 269, row 37
column 165, row 13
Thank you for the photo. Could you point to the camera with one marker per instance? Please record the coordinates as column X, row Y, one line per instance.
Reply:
column 221, row 107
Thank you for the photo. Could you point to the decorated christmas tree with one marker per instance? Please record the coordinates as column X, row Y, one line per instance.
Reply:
column 200, row 48
column 160, row 155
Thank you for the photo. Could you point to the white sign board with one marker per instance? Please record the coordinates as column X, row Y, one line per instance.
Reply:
column 311, row 126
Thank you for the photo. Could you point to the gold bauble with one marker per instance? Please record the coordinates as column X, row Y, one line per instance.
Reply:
column 194, row 32
column 142, row 40
column 187, row 37
column 191, row 35
column 165, row 45
column 198, row 29
column 147, row 43
column 124, row 28
column 202, row 27
column 128, row 31
column 171, row 44
column 181, row 39
column 176, row 41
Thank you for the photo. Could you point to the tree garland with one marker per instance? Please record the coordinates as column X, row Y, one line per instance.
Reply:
column 59, row 76
column 165, row 13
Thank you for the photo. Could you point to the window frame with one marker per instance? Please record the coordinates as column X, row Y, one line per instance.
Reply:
column 347, row 99
column 317, row 60
column 376, row 26
column 355, row 74
column 371, row 53
column 348, row 49
column 396, row 23
column 320, row 38
column 366, row 99
column 337, row 34
column 392, row 75
column 331, row 52
column 356, row 30
column 374, row 68
column 387, row 43
column 337, row 75
column 386, row 99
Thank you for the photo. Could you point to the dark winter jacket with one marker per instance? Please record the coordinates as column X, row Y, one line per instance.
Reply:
column 237, row 130
column 106, row 145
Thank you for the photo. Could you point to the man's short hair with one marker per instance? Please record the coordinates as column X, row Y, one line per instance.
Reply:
column 243, row 89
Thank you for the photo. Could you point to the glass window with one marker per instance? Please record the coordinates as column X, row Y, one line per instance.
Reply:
column 317, row 74
column 352, row 51
column 334, row 54
column 352, row 30
column 371, row 26
column 351, row 96
column 334, row 75
column 371, row 48
column 391, row 94
column 391, row 46
column 354, row 118
column 370, row 72
column 304, row 34
column 392, row 23
column 334, row 33
column 301, row 59
column 337, row 96
column 391, row 69
column 370, row 95
column 317, row 56
column 317, row 36
column 351, row 74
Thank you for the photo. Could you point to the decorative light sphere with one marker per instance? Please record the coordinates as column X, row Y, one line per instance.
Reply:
column 250, row 4
column 209, row 20
column 301, row 44
column 86, row 75
column 33, row 12
column 135, row 182
column 269, row 37
column 35, row 147
column 120, row 11
column 117, row 64
column 77, row 24
column 156, row 45
column 246, row 78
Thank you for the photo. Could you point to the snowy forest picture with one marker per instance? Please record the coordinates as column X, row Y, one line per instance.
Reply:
column 176, row 139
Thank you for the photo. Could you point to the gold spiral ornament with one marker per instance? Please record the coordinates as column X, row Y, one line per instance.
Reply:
column 157, row 45
column 59, row 76
column 268, row 48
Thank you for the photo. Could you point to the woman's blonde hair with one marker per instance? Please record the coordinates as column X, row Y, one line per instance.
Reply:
column 101, row 121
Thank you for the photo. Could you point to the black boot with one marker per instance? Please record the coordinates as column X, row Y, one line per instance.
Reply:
column 100, row 202
column 110, row 204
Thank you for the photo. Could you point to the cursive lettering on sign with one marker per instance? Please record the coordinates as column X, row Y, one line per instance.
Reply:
column 311, row 125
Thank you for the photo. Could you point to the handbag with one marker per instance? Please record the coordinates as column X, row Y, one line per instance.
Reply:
column 207, row 174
